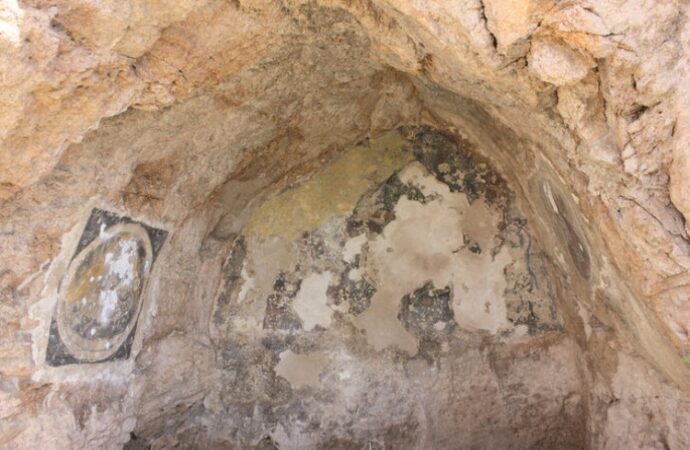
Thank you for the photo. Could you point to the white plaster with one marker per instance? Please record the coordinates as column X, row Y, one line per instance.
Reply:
column 121, row 263
column 302, row 370
column 247, row 285
column 560, row 258
column 311, row 302
column 440, row 325
column 108, row 301
column 266, row 258
column 353, row 247
column 355, row 274
column 480, row 304
column 417, row 175
column 104, row 234
column 425, row 243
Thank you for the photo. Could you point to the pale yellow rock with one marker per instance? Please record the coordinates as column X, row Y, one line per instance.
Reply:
column 556, row 63
column 514, row 20
column 331, row 192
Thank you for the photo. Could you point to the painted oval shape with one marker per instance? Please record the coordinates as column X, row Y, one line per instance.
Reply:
column 100, row 297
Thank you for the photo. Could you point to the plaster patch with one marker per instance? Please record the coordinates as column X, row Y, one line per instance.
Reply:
column 427, row 243
column 416, row 174
column 353, row 247
column 479, row 301
column 302, row 370
column 310, row 303
column 247, row 285
column 120, row 262
column 265, row 259
column 584, row 316
column 355, row 274
column 108, row 301
column 414, row 248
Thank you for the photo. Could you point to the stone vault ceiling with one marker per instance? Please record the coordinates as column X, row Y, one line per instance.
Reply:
column 296, row 181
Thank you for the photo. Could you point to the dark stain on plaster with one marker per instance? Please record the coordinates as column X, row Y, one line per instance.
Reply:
column 318, row 251
column 248, row 373
column 232, row 277
column 472, row 245
column 469, row 243
column 267, row 444
column 314, row 244
column 529, row 293
column 279, row 313
column 232, row 269
column 356, row 293
column 394, row 189
column 375, row 209
column 428, row 312
column 461, row 170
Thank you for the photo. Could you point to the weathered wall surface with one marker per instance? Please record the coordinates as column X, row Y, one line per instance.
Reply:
column 219, row 105
column 392, row 300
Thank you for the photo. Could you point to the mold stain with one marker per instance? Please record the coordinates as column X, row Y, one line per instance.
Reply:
column 354, row 289
column 233, row 270
column 428, row 311
column 279, row 312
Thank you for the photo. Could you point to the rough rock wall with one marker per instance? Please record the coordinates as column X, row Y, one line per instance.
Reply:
column 580, row 105
column 166, row 170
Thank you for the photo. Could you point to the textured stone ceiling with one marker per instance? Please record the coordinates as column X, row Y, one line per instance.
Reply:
column 238, row 139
